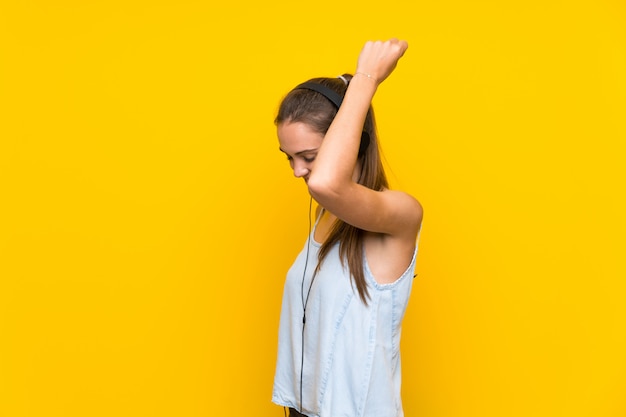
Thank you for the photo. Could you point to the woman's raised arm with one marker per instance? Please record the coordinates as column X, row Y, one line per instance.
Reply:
column 333, row 178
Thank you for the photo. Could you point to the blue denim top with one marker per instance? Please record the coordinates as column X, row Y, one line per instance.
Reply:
column 351, row 365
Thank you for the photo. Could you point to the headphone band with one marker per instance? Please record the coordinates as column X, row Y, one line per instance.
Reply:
column 330, row 94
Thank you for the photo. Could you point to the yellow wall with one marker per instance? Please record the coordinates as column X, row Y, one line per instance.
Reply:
column 147, row 218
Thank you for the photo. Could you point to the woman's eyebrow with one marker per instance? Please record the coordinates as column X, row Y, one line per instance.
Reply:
column 301, row 152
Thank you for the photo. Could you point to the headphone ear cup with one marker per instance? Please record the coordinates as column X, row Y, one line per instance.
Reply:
column 365, row 141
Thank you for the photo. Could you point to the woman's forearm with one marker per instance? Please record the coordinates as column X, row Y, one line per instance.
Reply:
column 337, row 156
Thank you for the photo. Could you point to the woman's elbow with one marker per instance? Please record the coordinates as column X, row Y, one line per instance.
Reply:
column 322, row 188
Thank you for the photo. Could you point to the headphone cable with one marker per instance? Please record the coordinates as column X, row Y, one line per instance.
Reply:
column 305, row 301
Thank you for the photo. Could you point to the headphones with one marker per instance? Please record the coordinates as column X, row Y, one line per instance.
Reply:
column 336, row 99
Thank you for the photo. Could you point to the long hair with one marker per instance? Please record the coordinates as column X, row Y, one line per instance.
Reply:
column 316, row 111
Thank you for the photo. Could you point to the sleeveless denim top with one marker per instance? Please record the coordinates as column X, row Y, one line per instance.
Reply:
column 351, row 364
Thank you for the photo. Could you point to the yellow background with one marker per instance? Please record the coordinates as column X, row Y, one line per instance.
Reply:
column 147, row 218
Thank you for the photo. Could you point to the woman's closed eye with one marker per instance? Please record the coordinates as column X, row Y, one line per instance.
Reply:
column 307, row 159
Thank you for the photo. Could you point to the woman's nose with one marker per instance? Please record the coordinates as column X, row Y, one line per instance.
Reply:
column 300, row 170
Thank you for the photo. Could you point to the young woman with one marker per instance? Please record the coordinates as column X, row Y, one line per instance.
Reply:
column 346, row 294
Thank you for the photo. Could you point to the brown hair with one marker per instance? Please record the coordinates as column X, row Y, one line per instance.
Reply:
column 315, row 110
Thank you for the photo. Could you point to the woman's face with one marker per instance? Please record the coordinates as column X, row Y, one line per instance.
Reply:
column 300, row 143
